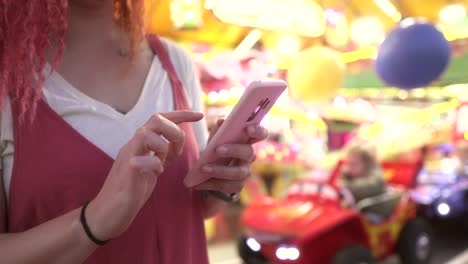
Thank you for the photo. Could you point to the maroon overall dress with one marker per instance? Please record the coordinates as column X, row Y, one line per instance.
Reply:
column 56, row 170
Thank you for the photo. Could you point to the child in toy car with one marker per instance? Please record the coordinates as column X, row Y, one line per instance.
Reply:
column 362, row 174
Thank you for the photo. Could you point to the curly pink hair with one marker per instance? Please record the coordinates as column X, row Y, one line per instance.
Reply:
column 28, row 28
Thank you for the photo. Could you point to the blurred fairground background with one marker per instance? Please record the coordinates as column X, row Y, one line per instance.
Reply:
column 392, row 72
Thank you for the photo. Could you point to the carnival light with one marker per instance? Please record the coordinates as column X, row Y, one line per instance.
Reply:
column 333, row 17
column 411, row 21
column 271, row 149
column 237, row 91
column 367, row 31
column 360, row 54
column 248, row 42
column 253, row 244
column 289, row 45
column 210, row 4
column 452, row 14
column 403, row 95
column 287, row 253
column 213, row 97
column 419, row 93
column 312, row 116
column 337, row 27
column 278, row 156
column 443, row 209
column 224, row 95
column 389, row 9
column 340, row 102
column 296, row 17
column 186, row 14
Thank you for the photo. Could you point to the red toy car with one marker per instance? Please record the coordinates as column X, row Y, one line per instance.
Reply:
column 318, row 223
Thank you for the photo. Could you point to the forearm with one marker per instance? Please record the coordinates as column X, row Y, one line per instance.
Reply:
column 212, row 206
column 61, row 240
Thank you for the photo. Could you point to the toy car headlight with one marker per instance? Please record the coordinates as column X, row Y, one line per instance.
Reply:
column 253, row 244
column 287, row 253
column 443, row 209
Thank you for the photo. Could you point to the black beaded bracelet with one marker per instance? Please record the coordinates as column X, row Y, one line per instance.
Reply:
column 87, row 229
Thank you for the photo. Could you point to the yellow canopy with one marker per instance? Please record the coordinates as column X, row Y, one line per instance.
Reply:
column 216, row 32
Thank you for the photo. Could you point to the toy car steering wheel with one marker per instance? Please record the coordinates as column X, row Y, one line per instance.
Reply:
column 342, row 194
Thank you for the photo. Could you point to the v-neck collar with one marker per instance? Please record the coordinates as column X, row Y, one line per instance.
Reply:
column 88, row 100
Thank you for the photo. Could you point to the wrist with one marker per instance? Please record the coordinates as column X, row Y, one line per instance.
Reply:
column 78, row 232
column 87, row 228
column 94, row 218
column 211, row 205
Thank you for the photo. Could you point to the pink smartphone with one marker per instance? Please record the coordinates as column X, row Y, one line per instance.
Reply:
column 253, row 105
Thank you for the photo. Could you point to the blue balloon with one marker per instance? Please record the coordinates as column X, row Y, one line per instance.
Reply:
column 412, row 55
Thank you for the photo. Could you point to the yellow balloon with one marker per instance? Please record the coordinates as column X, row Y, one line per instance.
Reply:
column 316, row 74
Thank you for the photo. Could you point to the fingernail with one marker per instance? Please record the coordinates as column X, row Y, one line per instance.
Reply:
column 222, row 150
column 251, row 129
column 207, row 169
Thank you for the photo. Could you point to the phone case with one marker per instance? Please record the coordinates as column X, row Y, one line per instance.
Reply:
column 252, row 107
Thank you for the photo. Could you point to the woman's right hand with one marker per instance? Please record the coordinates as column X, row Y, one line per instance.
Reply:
column 135, row 171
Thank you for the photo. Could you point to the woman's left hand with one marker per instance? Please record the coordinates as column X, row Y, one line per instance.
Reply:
column 231, row 179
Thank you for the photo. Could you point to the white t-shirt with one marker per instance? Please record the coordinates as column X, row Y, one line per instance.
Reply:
column 101, row 124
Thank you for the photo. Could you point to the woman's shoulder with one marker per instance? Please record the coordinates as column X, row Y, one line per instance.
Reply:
column 179, row 56
column 184, row 67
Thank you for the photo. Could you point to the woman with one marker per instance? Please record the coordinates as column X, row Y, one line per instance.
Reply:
column 97, row 150
column 362, row 175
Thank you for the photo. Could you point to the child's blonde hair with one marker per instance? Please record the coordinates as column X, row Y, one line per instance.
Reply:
column 366, row 152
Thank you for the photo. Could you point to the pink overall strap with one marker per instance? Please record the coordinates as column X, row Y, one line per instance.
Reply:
column 179, row 213
column 180, row 98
